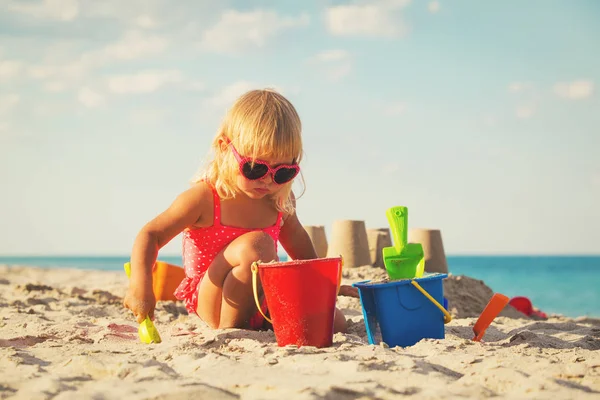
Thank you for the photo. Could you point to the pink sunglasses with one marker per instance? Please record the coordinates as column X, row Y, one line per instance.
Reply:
column 257, row 169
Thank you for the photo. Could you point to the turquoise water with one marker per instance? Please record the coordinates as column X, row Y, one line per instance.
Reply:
column 568, row 285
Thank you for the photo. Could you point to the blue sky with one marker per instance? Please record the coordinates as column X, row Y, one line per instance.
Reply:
column 483, row 118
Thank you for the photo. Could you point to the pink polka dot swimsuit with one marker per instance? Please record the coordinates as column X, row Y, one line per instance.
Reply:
column 201, row 246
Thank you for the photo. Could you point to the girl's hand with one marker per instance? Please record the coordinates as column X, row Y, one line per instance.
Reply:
column 346, row 290
column 141, row 301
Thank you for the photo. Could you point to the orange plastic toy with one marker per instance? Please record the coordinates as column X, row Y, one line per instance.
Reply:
column 490, row 312
column 524, row 305
column 165, row 279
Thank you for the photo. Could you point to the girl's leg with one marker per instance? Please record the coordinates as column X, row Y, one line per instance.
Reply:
column 339, row 322
column 225, row 298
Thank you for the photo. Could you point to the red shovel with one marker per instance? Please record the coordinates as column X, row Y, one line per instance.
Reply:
column 490, row 312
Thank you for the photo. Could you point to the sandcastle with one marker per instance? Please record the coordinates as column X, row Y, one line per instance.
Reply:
column 378, row 239
column 360, row 246
column 433, row 247
column 349, row 239
column 318, row 238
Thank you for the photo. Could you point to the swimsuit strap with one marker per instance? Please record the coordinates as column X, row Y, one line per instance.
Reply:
column 279, row 217
column 216, row 207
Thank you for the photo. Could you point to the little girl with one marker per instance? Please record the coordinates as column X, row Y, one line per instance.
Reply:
column 234, row 215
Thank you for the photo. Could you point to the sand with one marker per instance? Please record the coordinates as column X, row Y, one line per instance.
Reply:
column 65, row 335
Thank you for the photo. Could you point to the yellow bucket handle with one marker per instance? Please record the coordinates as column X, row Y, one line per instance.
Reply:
column 447, row 316
column 254, row 269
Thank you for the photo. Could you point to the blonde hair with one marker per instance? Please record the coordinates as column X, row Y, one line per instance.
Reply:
column 260, row 124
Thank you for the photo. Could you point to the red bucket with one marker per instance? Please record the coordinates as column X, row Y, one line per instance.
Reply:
column 301, row 298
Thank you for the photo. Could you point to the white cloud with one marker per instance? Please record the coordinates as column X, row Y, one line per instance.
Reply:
column 148, row 116
column 62, row 76
column 574, row 90
column 42, row 71
column 335, row 64
column 237, row 31
column 145, row 21
column 114, row 8
column 6, row 132
column 146, row 14
column 394, row 108
column 528, row 96
column 519, row 87
column 392, row 4
column 339, row 72
column 50, row 109
column 133, row 45
column 489, row 121
column 230, row 93
column 8, row 102
column 70, row 74
column 434, row 7
column 196, row 86
column 10, row 69
column 90, row 98
column 54, row 86
column 61, row 10
column 135, row 13
column 144, row 81
column 226, row 96
column 391, row 168
column 377, row 19
column 525, row 111
column 330, row 55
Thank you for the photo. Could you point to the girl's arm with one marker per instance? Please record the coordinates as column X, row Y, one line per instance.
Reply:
column 296, row 242
column 294, row 238
column 186, row 210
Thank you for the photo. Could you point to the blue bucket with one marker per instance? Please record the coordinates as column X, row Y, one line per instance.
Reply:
column 400, row 314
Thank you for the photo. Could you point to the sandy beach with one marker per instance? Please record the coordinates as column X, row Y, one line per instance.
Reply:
column 65, row 335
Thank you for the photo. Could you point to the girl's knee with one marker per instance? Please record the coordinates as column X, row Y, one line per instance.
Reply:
column 339, row 322
column 256, row 246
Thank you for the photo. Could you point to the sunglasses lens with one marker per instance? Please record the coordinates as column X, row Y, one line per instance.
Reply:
column 284, row 175
column 254, row 172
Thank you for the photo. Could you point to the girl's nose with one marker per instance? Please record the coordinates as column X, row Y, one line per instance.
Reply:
column 268, row 178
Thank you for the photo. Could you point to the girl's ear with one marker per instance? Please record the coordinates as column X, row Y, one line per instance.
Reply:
column 222, row 143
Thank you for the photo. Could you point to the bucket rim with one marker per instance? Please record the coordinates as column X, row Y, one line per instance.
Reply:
column 295, row 263
column 370, row 284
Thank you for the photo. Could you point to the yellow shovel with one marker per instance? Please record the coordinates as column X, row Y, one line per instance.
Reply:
column 147, row 331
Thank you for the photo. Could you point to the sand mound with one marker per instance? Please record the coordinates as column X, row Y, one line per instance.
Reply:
column 70, row 338
column 467, row 297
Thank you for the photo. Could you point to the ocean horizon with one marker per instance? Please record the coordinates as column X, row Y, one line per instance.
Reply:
column 556, row 284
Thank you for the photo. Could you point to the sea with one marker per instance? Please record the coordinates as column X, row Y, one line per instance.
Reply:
column 567, row 285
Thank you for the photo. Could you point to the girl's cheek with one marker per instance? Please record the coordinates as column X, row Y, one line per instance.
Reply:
column 243, row 183
column 240, row 182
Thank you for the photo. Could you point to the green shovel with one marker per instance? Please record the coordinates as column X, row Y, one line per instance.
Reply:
column 403, row 260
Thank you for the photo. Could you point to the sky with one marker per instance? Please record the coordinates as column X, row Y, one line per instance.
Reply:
column 481, row 117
